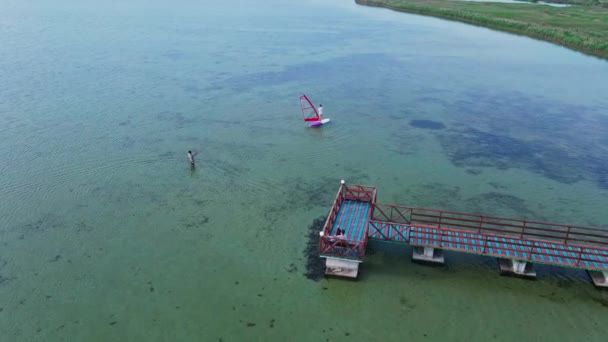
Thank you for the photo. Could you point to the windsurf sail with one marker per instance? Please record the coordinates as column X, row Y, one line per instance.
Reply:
column 308, row 109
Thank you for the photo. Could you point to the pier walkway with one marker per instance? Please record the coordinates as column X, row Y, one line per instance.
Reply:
column 517, row 244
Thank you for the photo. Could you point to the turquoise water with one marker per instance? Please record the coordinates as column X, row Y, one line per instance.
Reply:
column 108, row 235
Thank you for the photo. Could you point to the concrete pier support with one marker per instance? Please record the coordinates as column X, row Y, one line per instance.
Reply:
column 516, row 268
column 428, row 255
column 341, row 267
column 599, row 278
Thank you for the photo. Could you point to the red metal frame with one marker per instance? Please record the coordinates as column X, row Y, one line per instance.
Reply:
column 391, row 213
column 344, row 248
column 542, row 231
column 356, row 192
column 304, row 101
column 388, row 231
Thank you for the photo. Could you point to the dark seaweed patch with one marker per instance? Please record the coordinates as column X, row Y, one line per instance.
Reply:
column 292, row 268
column 496, row 202
column 563, row 142
column 427, row 124
column 199, row 222
column 56, row 258
column 474, row 148
column 307, row 195
column 178, row 119
column 4, row 280
column 46, row 222
column 337, row 68
column 83, row 227
column 497, row 185
column 406, row 303
column 602, row 301
column 553, row 297
column 167, row 155
column 435, row 194
column 315, row 268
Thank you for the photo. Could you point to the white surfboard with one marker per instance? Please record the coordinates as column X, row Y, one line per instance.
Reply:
column 319, row 123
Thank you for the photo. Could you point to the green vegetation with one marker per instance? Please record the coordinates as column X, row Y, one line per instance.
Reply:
column 582, row 27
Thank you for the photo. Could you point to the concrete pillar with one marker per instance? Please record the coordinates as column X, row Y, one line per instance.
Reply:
column 428, row 255
column 599, row 278
column 516, row 268
column 519, row 266
column 342, row 267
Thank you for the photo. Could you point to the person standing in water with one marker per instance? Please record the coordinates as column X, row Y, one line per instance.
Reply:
column 191, row 157
column 320, row 112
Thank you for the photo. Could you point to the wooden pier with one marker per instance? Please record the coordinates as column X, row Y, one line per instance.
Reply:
column 518, row 244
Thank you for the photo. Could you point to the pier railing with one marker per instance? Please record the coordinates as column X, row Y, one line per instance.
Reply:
column 521, row 229
column 391, row 213
column 333, row 212
column 340, row 247
column 358, row 192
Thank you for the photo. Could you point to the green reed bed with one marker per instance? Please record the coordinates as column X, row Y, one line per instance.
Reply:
column 583, row 27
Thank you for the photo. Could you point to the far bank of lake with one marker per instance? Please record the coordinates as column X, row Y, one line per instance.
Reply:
column 582, row 27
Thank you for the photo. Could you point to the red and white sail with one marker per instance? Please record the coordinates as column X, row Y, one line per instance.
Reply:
column 308, row 110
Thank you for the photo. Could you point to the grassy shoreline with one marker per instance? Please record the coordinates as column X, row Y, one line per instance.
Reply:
column 581, row 28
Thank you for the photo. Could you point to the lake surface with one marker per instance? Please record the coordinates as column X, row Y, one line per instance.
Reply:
column 108, row 235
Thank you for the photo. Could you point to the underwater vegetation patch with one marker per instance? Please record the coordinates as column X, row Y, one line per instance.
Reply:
column 500, row 203
column 301, row 194
column 474, row 172
column 178, row 119
column 472, row 148
column 432, row 195
column 315, row 267
column 563, row 142
column 336, row 68
column 44, row 223
column 427, row 124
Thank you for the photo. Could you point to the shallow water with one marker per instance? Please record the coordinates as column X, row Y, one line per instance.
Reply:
column 107, row 234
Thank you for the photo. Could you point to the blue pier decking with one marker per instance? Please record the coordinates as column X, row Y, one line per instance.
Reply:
column 521, row 242
column 492, row 245
column 352, row 217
